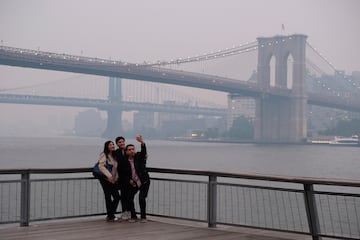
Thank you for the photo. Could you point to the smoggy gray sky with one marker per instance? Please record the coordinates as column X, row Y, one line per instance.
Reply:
column 135, row 31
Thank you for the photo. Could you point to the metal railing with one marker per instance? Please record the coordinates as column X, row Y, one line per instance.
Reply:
column 316, row 207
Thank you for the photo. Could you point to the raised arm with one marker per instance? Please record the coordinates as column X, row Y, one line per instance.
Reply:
column 143, row 153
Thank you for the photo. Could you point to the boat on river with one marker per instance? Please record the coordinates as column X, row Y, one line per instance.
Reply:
column 346, row 141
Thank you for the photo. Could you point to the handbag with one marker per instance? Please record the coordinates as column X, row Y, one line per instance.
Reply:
column 96, row 170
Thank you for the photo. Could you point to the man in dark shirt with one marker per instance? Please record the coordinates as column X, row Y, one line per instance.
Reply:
column 120, row 157
column 134, row 176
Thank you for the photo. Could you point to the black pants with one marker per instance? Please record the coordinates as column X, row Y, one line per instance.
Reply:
column 143, row 192
column 112, row 197
column 123, row 199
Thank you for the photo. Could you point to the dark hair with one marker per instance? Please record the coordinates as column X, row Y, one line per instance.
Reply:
column 106, row 148
column 119, row 138
column 129, row 145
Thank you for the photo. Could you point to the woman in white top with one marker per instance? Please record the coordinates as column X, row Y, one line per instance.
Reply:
column 108, row 166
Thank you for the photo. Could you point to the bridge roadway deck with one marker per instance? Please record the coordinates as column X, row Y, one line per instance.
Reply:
column 96, row 228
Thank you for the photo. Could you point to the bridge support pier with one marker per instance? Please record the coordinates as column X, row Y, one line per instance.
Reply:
column 114, row 115
column 282, row 119
column 114, row 126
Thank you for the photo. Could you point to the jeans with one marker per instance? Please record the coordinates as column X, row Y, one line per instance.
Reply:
column 112, row 197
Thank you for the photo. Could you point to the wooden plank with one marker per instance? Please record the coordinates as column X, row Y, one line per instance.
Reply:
column 95, row 229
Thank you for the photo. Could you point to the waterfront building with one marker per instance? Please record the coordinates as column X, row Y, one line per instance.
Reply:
column 240, row 106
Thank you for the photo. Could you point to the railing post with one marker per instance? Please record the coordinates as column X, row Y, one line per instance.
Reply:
column 211, row 204
column 311, row 211
column 25, row 199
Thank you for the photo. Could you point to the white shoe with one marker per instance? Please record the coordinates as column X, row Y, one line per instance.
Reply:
column 124, row 216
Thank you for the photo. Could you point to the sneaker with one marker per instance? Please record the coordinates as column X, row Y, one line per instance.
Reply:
column 132, row 220
column 143, row 220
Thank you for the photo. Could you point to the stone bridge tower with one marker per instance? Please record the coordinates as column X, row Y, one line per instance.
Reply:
column 278, row 119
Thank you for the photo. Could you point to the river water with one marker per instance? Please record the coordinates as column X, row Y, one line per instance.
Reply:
column 318, row 161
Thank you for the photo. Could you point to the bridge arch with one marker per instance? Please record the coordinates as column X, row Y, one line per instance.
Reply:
column 272, row 64
column 282, row 119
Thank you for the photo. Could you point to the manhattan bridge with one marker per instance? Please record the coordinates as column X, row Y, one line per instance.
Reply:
column 285, row 76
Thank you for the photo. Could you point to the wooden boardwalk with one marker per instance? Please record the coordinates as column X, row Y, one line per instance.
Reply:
column 155, row 228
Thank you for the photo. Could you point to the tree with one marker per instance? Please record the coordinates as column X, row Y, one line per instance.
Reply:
column 241, row 128
column 212, row 133
column 344, row 128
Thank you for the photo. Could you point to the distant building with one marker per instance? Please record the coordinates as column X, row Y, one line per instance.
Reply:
column 240, row 106
column 176, row 124
column 177, row 128
column 322, row 118
column 89, row 123
column 143, row 120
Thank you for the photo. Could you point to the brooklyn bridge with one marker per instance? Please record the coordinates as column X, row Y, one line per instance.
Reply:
column 279, row 85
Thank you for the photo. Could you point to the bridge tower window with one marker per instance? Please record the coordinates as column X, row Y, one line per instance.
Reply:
column 290, row 72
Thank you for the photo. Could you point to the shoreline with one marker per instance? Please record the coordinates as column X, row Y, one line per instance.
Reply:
column 323, row 142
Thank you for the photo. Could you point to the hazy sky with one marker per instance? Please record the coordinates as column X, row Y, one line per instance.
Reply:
column 141, row 30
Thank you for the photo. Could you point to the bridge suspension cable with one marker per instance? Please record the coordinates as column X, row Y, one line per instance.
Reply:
column 139, row 91
column 316, row 68
column 38, row 84
column 321, row 56
column 242, row 48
